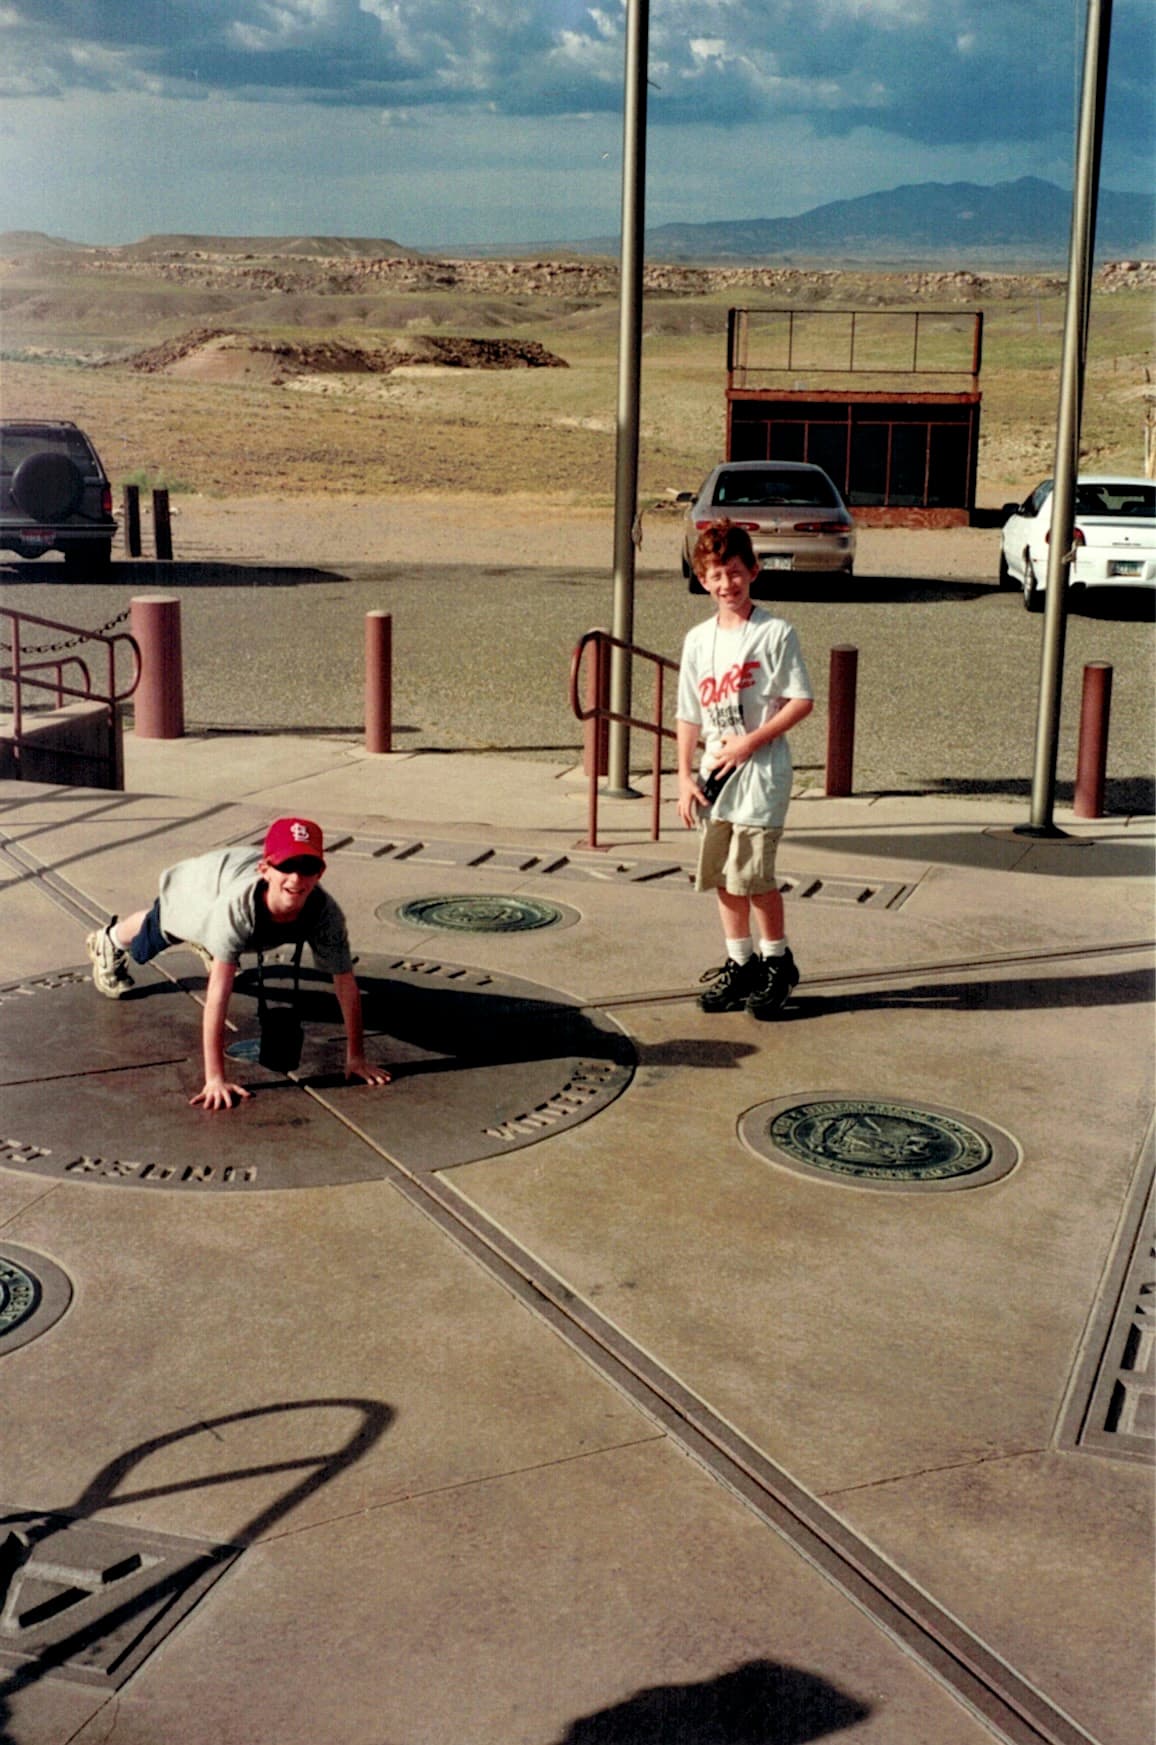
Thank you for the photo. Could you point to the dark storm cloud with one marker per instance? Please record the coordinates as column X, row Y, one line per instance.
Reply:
column 965, row 72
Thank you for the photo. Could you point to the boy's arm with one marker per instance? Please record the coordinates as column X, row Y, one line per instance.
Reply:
column 349, row 999
column 738, row 747
column 690, row 795
column 218, row 1092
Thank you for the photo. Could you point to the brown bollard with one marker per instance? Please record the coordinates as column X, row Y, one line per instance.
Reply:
column 132, row 520
column 162, row 526
column 378, row 681
column 844, row 674
column 1092, row 752
column 159, row 699
column 596, row 730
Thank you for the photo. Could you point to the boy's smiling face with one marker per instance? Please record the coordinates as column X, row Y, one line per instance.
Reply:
column 729, row 584
column 289, row 886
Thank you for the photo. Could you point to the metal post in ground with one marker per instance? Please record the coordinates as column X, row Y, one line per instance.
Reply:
column 159, row 699
column 378, row 682
column 132, row 520
column 162, row 525
column 1092, row 754
column 841, row 692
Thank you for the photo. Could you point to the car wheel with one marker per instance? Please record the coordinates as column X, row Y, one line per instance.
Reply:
column 47, row 486
column 85, row 554
column 1006, row 579
column 1033, row 599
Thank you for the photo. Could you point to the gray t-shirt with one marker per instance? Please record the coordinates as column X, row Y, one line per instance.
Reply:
column 212, row 900
column 731, row 681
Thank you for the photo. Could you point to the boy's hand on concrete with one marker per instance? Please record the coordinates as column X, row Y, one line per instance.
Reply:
column 357, row 1067
column 218, row 1094
column 690, row 799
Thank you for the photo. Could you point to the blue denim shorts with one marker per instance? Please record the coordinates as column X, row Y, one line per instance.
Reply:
column 151, row 939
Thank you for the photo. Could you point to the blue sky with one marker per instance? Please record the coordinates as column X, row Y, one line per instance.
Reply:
column 437, row 122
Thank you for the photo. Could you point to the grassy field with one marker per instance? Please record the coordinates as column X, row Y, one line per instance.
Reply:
column 537, row 431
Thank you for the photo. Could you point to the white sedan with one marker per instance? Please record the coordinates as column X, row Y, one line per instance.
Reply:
column 1114, row 538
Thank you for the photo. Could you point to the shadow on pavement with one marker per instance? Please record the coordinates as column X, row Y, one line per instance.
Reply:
column 1074, row 858
column 861, row 590
column 27, row 1533
column 1016, row 994
column 758, row 1703
column 174, row 573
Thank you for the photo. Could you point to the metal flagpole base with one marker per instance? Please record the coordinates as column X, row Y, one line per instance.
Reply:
column 622, row 794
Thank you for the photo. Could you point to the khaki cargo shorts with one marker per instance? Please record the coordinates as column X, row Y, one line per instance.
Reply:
column 736, row 858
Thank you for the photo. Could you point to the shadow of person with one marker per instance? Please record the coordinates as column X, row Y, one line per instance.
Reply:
column 759, row 1703
column 1013, row 994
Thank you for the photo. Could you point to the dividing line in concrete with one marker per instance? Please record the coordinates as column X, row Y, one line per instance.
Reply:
column 904, row 971
column 1013, row 1708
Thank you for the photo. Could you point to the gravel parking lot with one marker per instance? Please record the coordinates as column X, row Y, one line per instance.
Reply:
column 488, row 599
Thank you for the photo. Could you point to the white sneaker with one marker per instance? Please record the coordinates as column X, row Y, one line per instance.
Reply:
column 110, row 975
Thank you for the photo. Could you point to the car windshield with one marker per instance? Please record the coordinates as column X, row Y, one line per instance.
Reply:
column 1119, row 499
column 747, row 490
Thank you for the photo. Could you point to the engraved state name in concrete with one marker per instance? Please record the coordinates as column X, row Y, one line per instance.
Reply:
column 18, row 1154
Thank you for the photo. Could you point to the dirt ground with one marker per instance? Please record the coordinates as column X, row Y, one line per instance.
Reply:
column 531, row 532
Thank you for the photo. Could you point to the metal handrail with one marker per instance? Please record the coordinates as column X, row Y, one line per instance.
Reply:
column 19, row 672
column 598, row 711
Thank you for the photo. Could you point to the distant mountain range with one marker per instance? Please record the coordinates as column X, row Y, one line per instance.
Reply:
column 1028, row 220
column 1025, row 222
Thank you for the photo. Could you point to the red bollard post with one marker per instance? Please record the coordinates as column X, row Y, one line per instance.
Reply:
column 159, row 699
column 378, row 681
column 596, row 737
column 843, row 681
column 1092, row 752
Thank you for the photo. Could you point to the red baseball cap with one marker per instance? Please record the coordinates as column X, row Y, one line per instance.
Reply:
column 286, row 838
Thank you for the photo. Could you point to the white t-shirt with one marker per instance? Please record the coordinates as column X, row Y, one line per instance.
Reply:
column 731, row 681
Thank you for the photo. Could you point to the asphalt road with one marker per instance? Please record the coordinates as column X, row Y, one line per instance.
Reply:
column 948, row 669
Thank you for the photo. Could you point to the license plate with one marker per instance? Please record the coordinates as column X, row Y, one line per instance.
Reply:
column 780, row 561
column 37, row 535
column 1119, row 566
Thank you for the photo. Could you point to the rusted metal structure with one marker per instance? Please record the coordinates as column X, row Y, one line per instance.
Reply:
column 836, row 387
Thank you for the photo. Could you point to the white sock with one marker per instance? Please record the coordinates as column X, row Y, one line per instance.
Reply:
column 740, row 950
column 772, row 948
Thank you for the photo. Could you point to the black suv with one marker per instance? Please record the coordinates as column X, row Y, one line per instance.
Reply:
column 54, row 493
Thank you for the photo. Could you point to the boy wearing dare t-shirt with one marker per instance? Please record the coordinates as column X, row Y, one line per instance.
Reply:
column 742, row 685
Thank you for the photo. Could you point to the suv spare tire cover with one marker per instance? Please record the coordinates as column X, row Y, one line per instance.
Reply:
column 48, row 486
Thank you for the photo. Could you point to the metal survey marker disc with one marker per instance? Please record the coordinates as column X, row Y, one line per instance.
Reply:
column 34, row 1294
column 97, row 1090
column 480, row 912
column 879, row 1142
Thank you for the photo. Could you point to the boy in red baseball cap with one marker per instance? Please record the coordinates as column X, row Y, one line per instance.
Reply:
column 233, row 900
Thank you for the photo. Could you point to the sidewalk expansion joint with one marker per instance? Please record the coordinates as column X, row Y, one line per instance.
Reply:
column 894, row 1478
column 464, row 1484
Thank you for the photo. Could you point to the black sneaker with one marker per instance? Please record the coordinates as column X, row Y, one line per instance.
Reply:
column 777, row 979
column 733, row 982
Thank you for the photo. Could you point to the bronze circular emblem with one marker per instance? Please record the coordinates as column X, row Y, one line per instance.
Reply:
column 34, row 1293
column 879, row 1142
column 19, row 1295
column 481, row 913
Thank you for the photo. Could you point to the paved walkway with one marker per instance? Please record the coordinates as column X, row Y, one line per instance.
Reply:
column 548, row 1405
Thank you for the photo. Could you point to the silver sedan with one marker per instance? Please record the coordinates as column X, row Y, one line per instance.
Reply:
column 795, row 516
